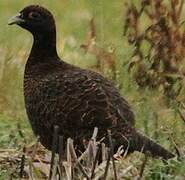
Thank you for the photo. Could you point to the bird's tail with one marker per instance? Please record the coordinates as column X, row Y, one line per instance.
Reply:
column 142, row 143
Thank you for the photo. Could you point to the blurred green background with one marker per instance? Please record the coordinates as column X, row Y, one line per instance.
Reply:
column 73, row 17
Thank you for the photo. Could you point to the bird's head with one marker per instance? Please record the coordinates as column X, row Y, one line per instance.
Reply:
column 35, row 19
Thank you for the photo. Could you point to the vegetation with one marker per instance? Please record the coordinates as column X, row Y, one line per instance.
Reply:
column 121, row 40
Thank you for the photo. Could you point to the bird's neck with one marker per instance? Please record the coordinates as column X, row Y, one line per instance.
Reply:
column 44, row 45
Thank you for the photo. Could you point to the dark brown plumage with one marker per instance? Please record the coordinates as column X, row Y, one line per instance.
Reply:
column 75, row 99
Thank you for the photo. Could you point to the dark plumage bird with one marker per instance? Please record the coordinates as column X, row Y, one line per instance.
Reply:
column 75, row 99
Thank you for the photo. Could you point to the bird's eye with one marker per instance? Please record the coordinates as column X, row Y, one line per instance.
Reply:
column 33, row 15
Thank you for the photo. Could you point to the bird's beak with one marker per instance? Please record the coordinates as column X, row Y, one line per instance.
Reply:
column 16, row 19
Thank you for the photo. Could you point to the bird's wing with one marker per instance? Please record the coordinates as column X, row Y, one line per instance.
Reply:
column 77, row 100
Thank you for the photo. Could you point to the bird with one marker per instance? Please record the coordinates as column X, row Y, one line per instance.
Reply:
column 76, row 100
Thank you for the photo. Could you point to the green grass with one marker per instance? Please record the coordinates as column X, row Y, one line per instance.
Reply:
column 72, row 18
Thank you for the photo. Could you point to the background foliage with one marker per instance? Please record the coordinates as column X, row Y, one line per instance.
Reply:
column 91, row 34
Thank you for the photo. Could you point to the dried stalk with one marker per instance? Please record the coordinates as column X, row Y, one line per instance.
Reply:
column 54, row 148
column 107, row 166
column 111, row 154
column 143, row 166
column 74, row 157
column 95, row 161
column 61, row 153
column 22, row 162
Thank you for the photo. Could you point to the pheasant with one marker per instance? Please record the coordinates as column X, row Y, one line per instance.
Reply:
column 74, row 99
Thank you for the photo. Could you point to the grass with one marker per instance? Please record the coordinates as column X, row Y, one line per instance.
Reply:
column 153, row 117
